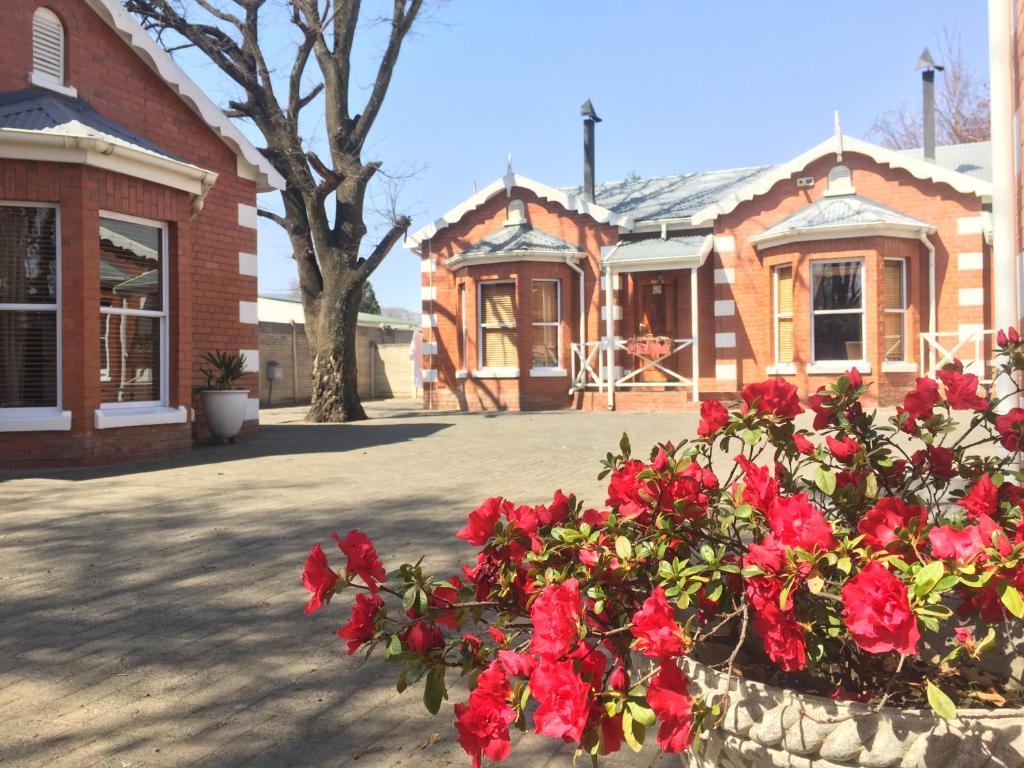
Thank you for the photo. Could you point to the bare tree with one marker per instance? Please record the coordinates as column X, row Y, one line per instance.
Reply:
column 961, row 109
column 323, row 200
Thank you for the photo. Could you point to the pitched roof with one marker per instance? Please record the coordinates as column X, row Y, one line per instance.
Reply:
column 281, row 309
column 839, row 216
column 518, row 238
column 681, row 251
column 973, row 159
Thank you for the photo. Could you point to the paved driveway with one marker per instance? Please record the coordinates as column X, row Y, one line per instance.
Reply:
column 151, row 615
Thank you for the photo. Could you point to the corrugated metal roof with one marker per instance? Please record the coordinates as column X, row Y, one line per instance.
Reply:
column 973, row 159
column 848, row 210
column 671, row 249
column 49, row 112
column 519, row 237
column 280, row 309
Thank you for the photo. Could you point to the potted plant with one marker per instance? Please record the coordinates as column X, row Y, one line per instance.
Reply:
column 761, row 594
column 223, row 404
column 649, row 346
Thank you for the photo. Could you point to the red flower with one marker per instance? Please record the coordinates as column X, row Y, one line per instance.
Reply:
column 481, row 521
column 796, row 522
column 524, row 517
column 556, row 618
column 922, row 399
column 556, row 512
column 443, row 597
column 362, row 559
column 483, row 722
column 824, row 409
column 760, row 488
column 853, row 376
column 631, row 496
column 982, row 498
column 877, row 612
column 803, row 445
column 421, row 638
column 1009, row 426
column 880, row 523
column 713, row 416
column 963, row 546
column 563, row 698
column 938, row 459
column 963, row 635
column 781, row 634
column 962, row 390
column 517, row 664
column 668, row 696
column 318, row 578
column 1007, row 337
column 361, row 626
column 844, row 450
column 775, row 396
column 656, row 630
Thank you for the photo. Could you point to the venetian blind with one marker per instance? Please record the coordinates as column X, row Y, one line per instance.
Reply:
column 893, row 285
column 784, row 318
column 497, row 320
column 498, row 303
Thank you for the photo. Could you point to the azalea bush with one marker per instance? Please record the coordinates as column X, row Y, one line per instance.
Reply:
column 868, row 558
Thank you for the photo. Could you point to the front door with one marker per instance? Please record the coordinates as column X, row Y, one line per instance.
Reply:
column 656, row 317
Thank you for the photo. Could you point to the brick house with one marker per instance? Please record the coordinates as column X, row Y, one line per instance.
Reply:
column 127, row 239
column 655, row 293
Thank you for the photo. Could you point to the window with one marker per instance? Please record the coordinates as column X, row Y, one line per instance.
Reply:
column 48, row 52
column 29, row 322
column 837, row 308
column 461, row 310
column 894, row 297
column 547, row 321
column 783, row 309
column 498, row 325
column 133, row 311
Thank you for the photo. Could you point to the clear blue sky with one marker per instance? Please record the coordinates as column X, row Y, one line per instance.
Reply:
column 681, row 86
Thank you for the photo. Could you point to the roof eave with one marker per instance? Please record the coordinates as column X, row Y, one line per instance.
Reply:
column 810, row 234
column 460, row 260
column 661, row 262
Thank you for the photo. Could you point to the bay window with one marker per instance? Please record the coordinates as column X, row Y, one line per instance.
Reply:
column 837, row 311
column 894, row 316
column 546, row 322
column 497, row 337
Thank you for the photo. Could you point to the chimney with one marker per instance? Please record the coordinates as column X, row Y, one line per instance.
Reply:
column 590, row 119
column 928, row 69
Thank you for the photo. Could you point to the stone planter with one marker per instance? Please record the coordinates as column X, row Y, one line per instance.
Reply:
column 770, row 727
column 225, row 411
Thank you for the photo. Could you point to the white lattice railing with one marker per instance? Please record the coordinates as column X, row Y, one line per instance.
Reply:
column 973, row 348
column 653, row 363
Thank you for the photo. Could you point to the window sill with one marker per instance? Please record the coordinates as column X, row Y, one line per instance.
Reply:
column 113, row 418
column 39, row 80
column 35, row 420
column 835, row 367
column 548, row 373
column 898, row 366
column 781, row 369
column 496, row 373
column 463, row 374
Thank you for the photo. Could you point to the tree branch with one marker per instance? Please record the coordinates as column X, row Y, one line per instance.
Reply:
column 399, row 228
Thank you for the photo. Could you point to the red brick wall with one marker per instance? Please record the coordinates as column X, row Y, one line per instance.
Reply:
column 206, row 286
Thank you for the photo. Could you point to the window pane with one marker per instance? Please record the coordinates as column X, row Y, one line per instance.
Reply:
column 838, row 337
column 893, row 288
column 785, row 341
column 893, row 333
column 785, row 287
column 130, row 352
column 28, row 255
column 130, row 265
column 500, row 348
column 28, row 359
column 545, row 301
column 498, row 304
column 836, row 285
column 545, row 346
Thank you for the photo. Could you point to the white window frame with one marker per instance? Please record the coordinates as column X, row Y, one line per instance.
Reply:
column 42, row 418
column 162, row 316
column 549, row 370
column 779, row 366
column 463, row 328
column 838, row 366
column 492, row 372
column 902, row 311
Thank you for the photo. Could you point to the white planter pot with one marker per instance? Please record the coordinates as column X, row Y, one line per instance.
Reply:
column 766, row 727
column 225, row 411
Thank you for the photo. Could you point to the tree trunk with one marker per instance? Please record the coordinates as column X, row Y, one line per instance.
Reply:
column 335, row 395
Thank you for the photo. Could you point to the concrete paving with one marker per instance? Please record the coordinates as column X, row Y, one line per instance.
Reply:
column 151, row 614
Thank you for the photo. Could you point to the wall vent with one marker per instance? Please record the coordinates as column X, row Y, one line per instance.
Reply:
column 47, row 47
column 805, row 181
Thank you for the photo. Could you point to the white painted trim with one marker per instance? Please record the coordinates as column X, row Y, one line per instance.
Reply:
column 158, row 60
column 725, row 308
column 834, row 367
column 568, row 200
column 427, row 265
column 916, row 167
column 615, row 280
column 459, row 261
column 495, row 373
column 548, row 373
column 725, row 371
column 967, row 330
column 252, row 360
column 248, row 312
column 42, row 80
column 252, row 409
column 428, row 293
column 806, row 234
column 462, row 374
column 725, row 340
column 970, row 225
column 781, row 369
column 107, row 418
column 429, row 348
column 898, row 366
column 430, row 376
column 971, row 297
column 428, row 320
column 34, row 420
column 725, row 244
column 970, row 261
column 616, row 312
column 248, row 264
column 247, row 216
column 725, row 276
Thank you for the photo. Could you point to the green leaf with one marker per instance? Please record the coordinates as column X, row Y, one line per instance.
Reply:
column 624, row 445
column 403, row 681
column 394, row 647
column 632, row 731
column 815, row 583
column 750, row 571
column 642, row 714
column 928, row 577
column 844, row 564
column 623, row 548
column 434, row 691
column 941, row 704
column 1012, row 600
column 871, row 486
column 750, row 436
column 825, row 479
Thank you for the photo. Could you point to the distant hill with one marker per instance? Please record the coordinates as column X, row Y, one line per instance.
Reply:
column 401, row 313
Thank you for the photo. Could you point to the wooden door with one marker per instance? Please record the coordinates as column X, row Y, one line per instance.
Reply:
column 656, row 317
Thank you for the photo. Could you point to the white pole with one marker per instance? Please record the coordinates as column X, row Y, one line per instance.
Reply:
column 609, row 331
column 1004, row 259
column 694, row 334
